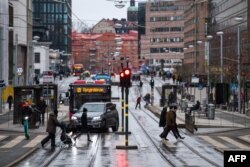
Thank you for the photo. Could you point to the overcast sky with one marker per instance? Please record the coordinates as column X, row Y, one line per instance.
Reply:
column 92, row 11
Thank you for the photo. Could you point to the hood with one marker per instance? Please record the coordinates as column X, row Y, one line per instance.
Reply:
column 89, row 114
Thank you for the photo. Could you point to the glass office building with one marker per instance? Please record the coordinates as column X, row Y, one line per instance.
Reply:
column 222, row 18
column 56, row 17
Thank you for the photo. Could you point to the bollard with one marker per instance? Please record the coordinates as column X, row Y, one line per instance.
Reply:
column 26, row 127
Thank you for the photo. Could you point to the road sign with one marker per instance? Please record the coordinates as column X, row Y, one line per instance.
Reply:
column 20, row 70
column 200, row 86
column 234, row 87
column 2, row 84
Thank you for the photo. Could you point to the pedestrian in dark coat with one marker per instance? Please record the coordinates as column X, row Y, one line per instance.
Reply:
column 42, row 107
column 10, row 101
column 162, row 122
column 51, row 129
column 84, row 127
column 138, row 102
column 171, row 122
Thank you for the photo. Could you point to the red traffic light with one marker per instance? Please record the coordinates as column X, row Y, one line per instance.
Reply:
column 127, row 72
column 122, row 74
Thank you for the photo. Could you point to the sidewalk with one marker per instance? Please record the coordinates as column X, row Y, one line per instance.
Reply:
column 9, row 126
column 222, row 118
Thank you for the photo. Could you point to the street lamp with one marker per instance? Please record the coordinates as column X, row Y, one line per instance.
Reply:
column 31, row 72
column 220, row 33
column 209, row 37
column 238, row 19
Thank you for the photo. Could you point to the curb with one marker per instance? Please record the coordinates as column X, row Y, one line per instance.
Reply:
column 19, row 159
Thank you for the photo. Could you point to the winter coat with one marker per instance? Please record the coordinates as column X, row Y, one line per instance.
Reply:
column 42, row 106
column 84, row 120
column 171, row 118
column 162, row 121
column 52, row 123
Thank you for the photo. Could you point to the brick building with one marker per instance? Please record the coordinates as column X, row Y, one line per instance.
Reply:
column 101, row 53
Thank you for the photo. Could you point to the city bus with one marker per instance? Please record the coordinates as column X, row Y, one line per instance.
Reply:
column 77, row 69
column 82, row 91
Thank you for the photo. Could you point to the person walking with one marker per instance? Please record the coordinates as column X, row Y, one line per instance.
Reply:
column 84, row 127
column 163, row 122
column 138, row 102
column 10, row 101
column 171, row 123
column 42, row 107
column 146, row 98
column 51, row 129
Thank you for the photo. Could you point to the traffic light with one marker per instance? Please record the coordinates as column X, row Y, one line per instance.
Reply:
column 122, row 78
column 125, row 77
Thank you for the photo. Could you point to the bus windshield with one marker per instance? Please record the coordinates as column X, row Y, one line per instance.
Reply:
column 82, row 93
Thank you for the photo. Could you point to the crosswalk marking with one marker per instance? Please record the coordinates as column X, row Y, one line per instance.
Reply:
column 246, row 138
column 2, row 137
column 14, row 142
column 213, row 142
column 35, row 141
column 238, row 144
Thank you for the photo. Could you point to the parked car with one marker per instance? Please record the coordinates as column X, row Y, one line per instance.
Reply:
column 101, row 115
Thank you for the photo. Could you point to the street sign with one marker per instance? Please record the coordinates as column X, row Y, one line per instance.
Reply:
column 234, row 87
column 200, row 86
column 2, row 84
column 19, row 71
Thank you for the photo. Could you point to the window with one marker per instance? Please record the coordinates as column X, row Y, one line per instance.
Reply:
column 37, row 57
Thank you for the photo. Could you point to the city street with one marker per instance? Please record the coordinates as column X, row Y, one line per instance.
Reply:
column 205, row 146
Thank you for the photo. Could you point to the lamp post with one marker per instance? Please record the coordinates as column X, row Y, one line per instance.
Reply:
column 220, row 33
column 209, row 37
column 29, row 74
column 238, row 19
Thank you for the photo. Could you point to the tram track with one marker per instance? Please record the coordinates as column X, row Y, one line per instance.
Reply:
column 189, row 147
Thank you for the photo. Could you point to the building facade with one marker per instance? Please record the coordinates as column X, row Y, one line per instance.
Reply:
column 100, row 53
column 164, row 33
column 222, row 19
column 56, row 16
column 194, row 39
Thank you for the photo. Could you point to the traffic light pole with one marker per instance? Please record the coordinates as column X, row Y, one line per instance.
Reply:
column 126, row 115
column 122, row 92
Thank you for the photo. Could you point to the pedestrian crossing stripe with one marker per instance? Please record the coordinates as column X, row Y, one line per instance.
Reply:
column 35, row 141
column 246, row 138
column 220, row 145
column 14, row 142
column 213, row 142
column 236, row 143
column 2, row 137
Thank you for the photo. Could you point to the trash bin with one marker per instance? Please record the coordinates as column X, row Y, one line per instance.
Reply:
column 210, row 111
